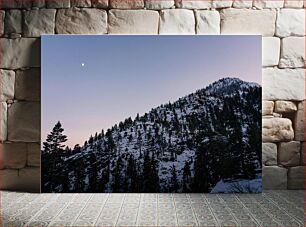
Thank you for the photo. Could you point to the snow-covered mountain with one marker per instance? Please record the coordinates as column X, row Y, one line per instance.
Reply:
column 189, row 145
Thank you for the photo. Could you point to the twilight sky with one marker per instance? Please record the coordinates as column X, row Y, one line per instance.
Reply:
column 90, row 83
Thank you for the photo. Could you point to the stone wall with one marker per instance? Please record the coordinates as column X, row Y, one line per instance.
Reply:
column 281, row 22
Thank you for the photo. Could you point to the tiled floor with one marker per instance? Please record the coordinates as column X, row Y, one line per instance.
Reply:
column 271, row 208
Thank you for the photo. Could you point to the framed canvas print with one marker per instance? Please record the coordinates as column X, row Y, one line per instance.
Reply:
column 165, row 114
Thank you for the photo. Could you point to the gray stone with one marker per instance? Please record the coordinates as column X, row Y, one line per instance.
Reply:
column 3, row 121
column 33, row 158
column 2, row 15
column 15, row 4
column 7, row 81
column 289, row 154
column 296, row 176
column 290, row 22
column 262, row 4
column 274, row 178
column 283, row 84
column 269, row 154
column 39, row 3
column 80, row 3
column 56, row 4
column 178, row 21
column 126, row 4
column 39, row 22
column 277, row 129
column 242, row 4
column 285, row 107
column 248, row 21
column 13, row 21
column 270, row 51
column 133, row 22
column 221, row 3
column 27, row 86
column 299, row 122
column 267, row 107
column 303, row 151
column 192, row 4
column 159, row 4
column 20, row 53
column 99, row 3
column 13, row 155
column 208, row 22
column 293, row 52
column 24, row 122
column 81, row 21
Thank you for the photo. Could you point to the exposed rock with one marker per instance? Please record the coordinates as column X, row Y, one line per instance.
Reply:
column 126, row 4
column 293, row 3
column 81, row 21
column 20, row 53
column 133, row 21
column 7, row 81
column 290, row 22
column 191, row 4
column 283, row 84
column 80, row 3
column 208, row 22
column 293, row 52
column 267, row 107
column 56, row 4
column 27, row 86
column 13, row 155
column 269, row 154
column 13, row 21
column 248, row 21
column 274, row 177
column 242, row 4
column 24, row 122
column 3, row 121
column 39, row 22
column 33, row 158
column 99, row 3
column 221, row 3
column 270, row 51
column 289, row 154
column 299, row 122
column 277, row 129
column 178, row 21
column 159, row 4
column 296, row 177
column 261, row 4
column 285, row 107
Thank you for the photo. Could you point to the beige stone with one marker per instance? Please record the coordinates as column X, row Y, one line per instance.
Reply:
column 99, row 3
column 242, row 4
column 269, row 154
column 178, row 21
column 293, row 52
column 80, row 3
column 126, row 4
column 7, row 81
column 299, row 122
column 2, row 14
column 20, row 53
column 267, row 107
column 208, row 22
column 13, row 155
column 13, row 21
column 248, row 21
column 39, row 22
column 274, row 178
column 159, row 4
column 296, row 176
column 289, row 153
column 24, row 122
column 33, row 158
column 27, row 86
column 56, row 4
column 290, row 22
column 221, row 3
column 3, row 121
column 283, row 84
column 261, row 4
column 26, row 179
column 293, row 4
column 193, row 4
column 81, row 21
column 270, row 51
column 133, row 22
column 277, row 129
column 285, row 107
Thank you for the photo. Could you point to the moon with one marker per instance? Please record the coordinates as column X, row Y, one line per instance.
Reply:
column 83, row 64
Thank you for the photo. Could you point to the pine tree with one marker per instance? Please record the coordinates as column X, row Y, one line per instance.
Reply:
column 55, row 140
column 174, row 185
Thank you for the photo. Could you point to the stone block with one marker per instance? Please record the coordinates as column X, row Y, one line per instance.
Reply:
column 277, row 130
column 126, row 4
column 290, row 22
column 208, row 22
column 13, row 155
column 296, row 176
column 33, row 158
column 248, row 21
column 80, row 3
column 39, row 22
column 13, row 21
column 7, row 81
column 192, row 4
column 289, row 154
column 133, row 22
column 27, row 86
column 293, row 52
column 267, row 107
column 39, row 3
column 15, row 4
column 3, row 121
column 221, row 3
column 274, row 178
column 159, row 4
column 2, row 15
column 269, row 154
column 24, row 122
column 262, row 4
column 283, row 84
column 81, row 21
column 103, row 4
column 56, row 4
column 303, row 152
column 178, row 21
column 20, row 53
column 293, row 4
column 242, row 4
column 285, row 107
column 270, row 51
column 299, row 122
